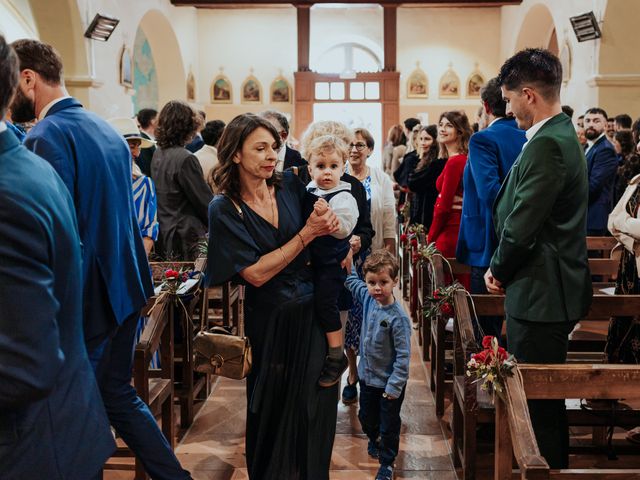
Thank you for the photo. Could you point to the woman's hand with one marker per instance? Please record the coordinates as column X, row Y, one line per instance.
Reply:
column 325, row 224
column 356, row 243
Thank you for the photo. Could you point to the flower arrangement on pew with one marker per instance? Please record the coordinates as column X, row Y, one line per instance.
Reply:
column 441, row 301
column 174, row 281
column 411, row 240
column 491, row 366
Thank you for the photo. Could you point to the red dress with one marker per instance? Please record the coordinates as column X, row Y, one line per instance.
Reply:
column 448, row 208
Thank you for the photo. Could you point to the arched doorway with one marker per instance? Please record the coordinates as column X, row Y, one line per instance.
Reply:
column 171, row 75
column 537, row 30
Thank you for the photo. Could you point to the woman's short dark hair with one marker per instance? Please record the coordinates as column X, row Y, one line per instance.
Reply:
column 491, row 94
column 460, row 122
column 536, row 67
column 368, row 138
column 41, row 58
column 625, row 139
column 225, row 175
column 177, row 124
column 8, row 75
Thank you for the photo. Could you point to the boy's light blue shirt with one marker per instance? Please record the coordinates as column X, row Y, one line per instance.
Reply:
column 385, row 341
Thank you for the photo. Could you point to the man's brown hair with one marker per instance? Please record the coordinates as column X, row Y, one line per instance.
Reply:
column 41, row 58
column 379, row 260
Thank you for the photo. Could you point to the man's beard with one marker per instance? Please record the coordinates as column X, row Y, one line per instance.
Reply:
column 23, row 109
column 591, row 133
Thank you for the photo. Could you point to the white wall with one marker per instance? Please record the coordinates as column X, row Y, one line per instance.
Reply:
column 16, row 20
column 577, row 92
column 437, row 36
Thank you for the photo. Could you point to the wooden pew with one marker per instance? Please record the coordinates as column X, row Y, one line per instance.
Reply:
column 154, row 387
column 602, row 244
column 404, row 259
column 471, row 407
column 514, row 432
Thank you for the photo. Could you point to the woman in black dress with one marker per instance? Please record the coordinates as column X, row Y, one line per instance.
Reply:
column 422, row 181
column 257, row 236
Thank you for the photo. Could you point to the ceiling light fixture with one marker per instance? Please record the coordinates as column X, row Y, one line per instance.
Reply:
column 101, row 27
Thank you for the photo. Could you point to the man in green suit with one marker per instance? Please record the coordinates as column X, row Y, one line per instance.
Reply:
column 540, row 218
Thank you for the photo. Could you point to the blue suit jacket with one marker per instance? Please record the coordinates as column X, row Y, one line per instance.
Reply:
column 602, row 165
column 492, row 152
column 52, row 419
column 94, row 162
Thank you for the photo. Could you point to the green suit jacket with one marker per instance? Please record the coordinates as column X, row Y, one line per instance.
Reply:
column 540, row 217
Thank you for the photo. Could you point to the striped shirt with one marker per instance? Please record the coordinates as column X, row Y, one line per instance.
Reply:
column 146, row 205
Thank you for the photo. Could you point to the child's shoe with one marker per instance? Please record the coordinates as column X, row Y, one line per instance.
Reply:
column 350, row 393
column 332, row 370
column 385, row 472
column 373, row 449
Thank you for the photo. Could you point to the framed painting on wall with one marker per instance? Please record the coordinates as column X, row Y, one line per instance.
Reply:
column 221, row 89
column 449, row 85
column 126, row 67
column 280, row 91
column 474, row 84
column 191, row 87
column 418, row 84
column 251, row 91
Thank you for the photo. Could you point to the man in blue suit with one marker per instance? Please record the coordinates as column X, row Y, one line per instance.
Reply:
column 52, row 421
column 602, row 165
column 492, row 151
column 94, row 163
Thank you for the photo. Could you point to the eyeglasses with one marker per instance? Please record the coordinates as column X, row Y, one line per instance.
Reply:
column 358, row 146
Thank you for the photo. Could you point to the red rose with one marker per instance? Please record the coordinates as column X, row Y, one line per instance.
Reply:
column 415, row 258
column 446, row 308
column 502, row 354
column 486, row 341
column 414, row 242
column 436, row 294
column 403, row 238
column 171, row 274
column 480, row 357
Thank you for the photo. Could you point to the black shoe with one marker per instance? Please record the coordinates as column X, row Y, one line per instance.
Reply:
column 350, row 393
column 332, row 370
column 385, row 472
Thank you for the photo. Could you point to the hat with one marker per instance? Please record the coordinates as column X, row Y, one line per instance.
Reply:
column 129, row 130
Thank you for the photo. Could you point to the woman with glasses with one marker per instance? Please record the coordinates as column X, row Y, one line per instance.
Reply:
column 454, row 132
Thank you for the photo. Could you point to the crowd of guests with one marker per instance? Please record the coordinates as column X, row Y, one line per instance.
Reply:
column 311, row 235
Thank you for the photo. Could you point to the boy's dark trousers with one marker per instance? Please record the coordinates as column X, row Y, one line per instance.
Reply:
column 380, row 417
column 328, row 282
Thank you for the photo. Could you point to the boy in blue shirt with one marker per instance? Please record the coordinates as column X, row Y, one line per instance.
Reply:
column 385, row 349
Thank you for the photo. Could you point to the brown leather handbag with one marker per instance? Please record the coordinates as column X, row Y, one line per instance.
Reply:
column 219, row 352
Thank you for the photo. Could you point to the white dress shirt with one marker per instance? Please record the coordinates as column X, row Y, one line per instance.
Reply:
column 281, row 154
column 208, row 158
column 47, row 107
column 3, row 126
column 591, row 143
column 343, row 204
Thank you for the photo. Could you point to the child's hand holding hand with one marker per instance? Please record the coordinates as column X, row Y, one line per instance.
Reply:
column 320, row 207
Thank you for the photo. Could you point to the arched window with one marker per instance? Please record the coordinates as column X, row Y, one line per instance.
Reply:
column 347, row 57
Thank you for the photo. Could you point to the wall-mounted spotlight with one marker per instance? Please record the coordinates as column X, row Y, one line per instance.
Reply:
column 585, row 27
column 101, row 27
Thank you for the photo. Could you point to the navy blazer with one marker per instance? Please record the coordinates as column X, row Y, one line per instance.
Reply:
column 196, row 144
column 94, row 162
column 602, row 165
column 52, row 419
column 492, row 152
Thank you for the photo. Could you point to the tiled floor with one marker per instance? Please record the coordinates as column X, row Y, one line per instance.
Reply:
column 213, row 449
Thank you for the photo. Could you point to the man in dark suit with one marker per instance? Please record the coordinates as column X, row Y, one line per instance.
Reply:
column 52, row 421
column 147, row 120
column 540, row 216
column 94, row 163
column 492, row 151
column 197, row 143
column 602, row 165
column 288, row 158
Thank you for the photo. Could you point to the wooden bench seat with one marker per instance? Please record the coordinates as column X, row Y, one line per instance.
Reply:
column 514, row 432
